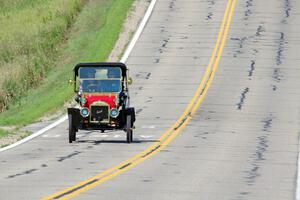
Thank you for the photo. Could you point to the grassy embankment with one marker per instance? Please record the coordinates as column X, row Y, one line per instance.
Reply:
column 30, row 33
column 4, row 133
column 90, row 38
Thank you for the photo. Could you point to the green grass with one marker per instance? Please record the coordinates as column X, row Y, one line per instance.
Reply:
column 91, row 38
column 4, row 133
column 30, row 35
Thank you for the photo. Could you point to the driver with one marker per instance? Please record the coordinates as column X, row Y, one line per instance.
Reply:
column 89, row 85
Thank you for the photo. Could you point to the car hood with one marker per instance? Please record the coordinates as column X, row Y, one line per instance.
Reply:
column 107, row 98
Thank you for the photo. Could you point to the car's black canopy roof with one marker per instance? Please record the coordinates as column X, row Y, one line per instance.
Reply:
column 101, row 64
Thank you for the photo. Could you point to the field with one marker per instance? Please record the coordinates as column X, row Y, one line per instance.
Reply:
column 37, row 59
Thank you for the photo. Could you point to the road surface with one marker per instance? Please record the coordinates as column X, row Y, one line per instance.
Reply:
column 241, row 143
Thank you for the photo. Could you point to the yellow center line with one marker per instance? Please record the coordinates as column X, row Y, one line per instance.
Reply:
column 172, row 132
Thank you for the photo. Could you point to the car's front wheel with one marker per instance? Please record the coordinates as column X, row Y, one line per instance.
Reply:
column 129, row 129
column 72, row 130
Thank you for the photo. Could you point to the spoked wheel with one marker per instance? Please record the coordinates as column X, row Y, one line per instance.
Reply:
column 72, row 130
column 129, row 129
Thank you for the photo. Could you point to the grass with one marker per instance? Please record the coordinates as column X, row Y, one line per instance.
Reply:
column 15, row 135
column 4, row 133
column 29, row 39
column 91, row 38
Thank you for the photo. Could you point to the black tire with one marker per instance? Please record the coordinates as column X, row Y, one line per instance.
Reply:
column 72, row 130
column 102, row 131
column 129, row 129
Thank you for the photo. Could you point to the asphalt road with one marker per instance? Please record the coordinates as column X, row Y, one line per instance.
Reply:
column 242, row 143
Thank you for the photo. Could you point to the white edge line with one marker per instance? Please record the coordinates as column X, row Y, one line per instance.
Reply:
column 298, row 177
column 138, row 32
column 123, row 60
column 38, row 133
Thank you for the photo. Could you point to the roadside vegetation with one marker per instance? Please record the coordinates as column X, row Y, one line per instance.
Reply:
column 4, row 133
column 43, row 41
column 30, row 33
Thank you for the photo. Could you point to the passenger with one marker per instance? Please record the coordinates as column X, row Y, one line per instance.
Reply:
column 113, row 73
column 88, row 83
column 87, row 73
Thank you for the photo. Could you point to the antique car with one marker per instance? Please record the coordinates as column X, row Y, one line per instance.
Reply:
column 103, row 99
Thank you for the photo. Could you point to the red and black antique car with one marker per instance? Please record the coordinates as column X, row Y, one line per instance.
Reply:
column 102, row 94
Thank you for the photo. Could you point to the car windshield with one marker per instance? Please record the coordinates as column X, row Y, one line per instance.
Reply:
column 100, row 79
column 100, row 86
column 100, row 72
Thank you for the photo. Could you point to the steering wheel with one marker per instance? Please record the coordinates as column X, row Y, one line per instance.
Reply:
column 91, row 88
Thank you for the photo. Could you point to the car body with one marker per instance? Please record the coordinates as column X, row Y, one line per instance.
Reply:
column 103, row 99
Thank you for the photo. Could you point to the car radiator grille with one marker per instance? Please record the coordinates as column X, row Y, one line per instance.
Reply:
column 99, row 113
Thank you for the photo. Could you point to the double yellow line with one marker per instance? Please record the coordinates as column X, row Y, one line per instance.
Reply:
column 172, row 132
